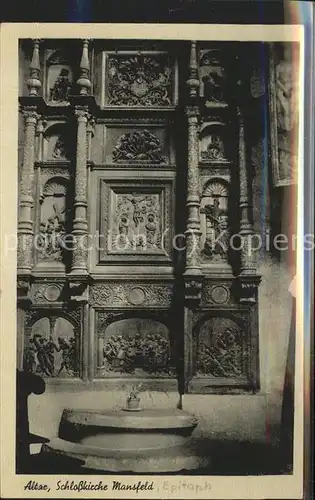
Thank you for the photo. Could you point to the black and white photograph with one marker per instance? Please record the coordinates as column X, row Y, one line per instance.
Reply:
column 156, row 278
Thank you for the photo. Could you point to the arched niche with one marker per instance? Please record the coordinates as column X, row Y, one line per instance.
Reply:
column 136, row 346
column 214, row 219
column 212, row 142
column 212, row 74
column 59, row 78
column 52, row 347
column 57, row 143
column 221, row 349
column 53, row 219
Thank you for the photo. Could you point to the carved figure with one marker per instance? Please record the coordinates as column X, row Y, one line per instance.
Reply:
column 59, row 151
column 52, row 230
column 215, row 149
column 213, row 78
column 45, row 354
column 216, row 226
column 286, row 93
column 68, row 350
column 151, row 228
column 61, row 88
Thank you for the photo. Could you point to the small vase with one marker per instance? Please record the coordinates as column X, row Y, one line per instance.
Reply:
column 133, row 403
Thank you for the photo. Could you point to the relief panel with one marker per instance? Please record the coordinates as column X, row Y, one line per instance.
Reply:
column 53, row 221
column 52, row 348
column 134, row 346
column 136, row 221
column 213, row 143
column 143, row 79
column 221, row 348
column 136, row 145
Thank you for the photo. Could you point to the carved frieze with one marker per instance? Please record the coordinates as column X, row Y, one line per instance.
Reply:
column 116, row 294
column 45, row 293
column 140, row 79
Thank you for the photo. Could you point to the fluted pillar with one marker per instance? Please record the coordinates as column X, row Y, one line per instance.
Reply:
column 80, row 225
column 26, row 201
column 246, row 228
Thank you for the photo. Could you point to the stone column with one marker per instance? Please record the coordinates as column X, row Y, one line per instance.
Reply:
column 26, row 201
column 246, row 228
column 193, row 199
column 80, row 224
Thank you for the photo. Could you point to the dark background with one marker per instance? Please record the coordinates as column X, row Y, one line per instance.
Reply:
column 163, row 11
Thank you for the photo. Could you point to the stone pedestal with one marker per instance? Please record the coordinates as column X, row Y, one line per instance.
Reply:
column 146, row 441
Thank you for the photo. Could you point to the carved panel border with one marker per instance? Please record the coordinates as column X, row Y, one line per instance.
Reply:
column 129, row 295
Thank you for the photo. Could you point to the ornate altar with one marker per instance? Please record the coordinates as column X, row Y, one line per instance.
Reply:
column 134, row 179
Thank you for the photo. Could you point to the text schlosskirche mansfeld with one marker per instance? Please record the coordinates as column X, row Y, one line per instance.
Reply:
column 101, row 486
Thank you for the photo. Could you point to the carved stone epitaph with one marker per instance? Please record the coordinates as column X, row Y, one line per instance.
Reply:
column 139, row 80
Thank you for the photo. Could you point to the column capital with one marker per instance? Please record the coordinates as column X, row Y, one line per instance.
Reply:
column 82, row 113
column 30, row 114
column 192, row 112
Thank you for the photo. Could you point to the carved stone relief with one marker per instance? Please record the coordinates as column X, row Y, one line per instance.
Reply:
column 136, row 346
column 139, row 80
column 43, row 293
column 221, row 349
column 218, row 294
column 49, row 241
column 284, row 89
column 52, row 348
column 57, row 143
column 214, row 222
column 135, row 220
column 59, row 79
column 138, row 146
column 213, row 80
column 127, row 295
column 212, row 147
